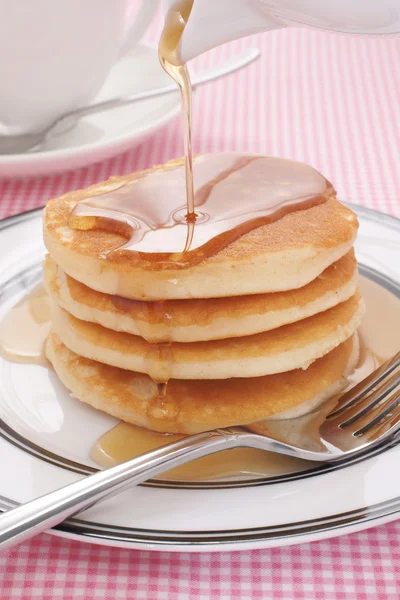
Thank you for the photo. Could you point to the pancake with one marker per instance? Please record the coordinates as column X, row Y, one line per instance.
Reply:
column 195, row 406
column 289, row 347
column 203, row 319
column 279, row 256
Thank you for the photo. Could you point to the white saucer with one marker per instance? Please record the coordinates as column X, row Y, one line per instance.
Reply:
column 46, row 437
column 108, row 133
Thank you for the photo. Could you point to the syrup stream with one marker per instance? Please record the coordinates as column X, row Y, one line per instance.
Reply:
column 171, row 62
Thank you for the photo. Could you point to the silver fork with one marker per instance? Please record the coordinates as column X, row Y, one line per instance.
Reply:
column 363, row 417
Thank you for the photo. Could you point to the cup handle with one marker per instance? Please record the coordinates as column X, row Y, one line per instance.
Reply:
column 141, row 22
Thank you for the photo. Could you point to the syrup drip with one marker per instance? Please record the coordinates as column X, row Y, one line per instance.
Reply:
column 153, row 312
column 161, row 354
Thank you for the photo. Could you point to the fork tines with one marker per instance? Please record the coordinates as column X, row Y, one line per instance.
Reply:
column 373, row 400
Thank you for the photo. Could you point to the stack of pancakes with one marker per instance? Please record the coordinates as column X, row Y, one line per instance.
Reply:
column 264, row 328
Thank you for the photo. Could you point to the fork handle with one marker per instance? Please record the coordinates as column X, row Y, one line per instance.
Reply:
column 27, row 520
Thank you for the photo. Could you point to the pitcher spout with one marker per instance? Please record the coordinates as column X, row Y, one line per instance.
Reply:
column 214, row 22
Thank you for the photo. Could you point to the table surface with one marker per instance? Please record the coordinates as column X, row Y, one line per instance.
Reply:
column 331, row 101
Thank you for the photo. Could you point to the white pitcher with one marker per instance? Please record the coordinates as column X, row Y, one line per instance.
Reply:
column 213, row 22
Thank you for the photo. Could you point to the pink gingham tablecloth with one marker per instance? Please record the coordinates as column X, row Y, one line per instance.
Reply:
column 331, row 101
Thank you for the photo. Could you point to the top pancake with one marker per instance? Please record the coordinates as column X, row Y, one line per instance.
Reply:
column 279, row 256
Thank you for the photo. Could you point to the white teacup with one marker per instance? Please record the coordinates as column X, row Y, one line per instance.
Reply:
column 56, row 54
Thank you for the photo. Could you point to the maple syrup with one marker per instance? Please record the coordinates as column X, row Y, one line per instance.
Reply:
column 234, row 194
column 25, row 328
column 126, row 441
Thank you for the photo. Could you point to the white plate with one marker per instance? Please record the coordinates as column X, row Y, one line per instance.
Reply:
column 108, row 133
column 45, row 438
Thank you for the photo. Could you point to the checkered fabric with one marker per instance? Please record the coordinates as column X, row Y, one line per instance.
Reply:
column 361, row 566
column 333, row 102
